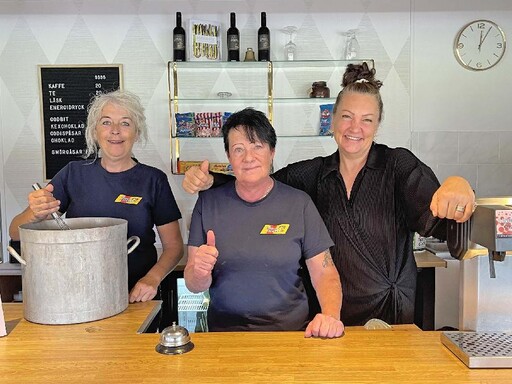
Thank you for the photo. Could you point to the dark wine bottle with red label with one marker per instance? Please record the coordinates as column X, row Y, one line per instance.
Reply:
column 263, row 39
column 179, row 44
column 233, row 40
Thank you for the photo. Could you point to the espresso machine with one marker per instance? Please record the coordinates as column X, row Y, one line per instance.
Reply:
column 484, row 246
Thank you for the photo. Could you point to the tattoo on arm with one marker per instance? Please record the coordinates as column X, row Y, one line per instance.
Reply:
column 327, row 259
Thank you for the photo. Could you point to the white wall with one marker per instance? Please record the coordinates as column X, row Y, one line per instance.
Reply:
column 455, row 131
column 461, row 122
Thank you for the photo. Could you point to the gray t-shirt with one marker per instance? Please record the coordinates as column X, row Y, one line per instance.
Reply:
column 256, row 282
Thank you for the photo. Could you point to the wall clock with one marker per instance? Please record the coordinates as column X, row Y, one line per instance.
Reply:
column 479, row 45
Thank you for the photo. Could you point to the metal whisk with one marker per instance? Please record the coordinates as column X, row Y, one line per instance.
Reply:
column 55, row 215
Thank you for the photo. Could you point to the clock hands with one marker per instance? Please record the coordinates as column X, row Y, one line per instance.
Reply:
column 481, row 42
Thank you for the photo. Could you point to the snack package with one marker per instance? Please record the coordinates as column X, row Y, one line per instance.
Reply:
column 185, row 124
column 225, row 116
column 216, row 124
column 208, row 124
column 325, row 119
column 203, row 126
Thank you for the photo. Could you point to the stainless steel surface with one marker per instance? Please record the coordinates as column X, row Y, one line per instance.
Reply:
column 486, row 282
column 77, row 275
column 480, row 349
column 437, row 248
column 485, row 304
column 147, row 321
column 60, row 222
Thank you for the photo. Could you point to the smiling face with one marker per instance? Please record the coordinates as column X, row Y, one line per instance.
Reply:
column 115, row 133
column 355, row 123
column 251, row 162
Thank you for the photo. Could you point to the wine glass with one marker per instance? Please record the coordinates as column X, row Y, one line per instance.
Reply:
column 351, row 44
column 290, row 48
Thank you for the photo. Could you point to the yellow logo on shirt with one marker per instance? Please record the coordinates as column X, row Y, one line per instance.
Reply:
column 275, row 229
column 124, row 199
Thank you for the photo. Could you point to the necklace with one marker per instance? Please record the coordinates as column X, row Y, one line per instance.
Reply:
column 267, row 191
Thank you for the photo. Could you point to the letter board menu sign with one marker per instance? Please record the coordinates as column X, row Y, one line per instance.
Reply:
column 65, row 94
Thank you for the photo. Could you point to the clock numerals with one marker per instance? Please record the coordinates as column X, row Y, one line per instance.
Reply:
column 480, row 45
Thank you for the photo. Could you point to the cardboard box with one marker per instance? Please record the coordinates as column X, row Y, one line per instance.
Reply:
column 183, row 166
column 205, row 41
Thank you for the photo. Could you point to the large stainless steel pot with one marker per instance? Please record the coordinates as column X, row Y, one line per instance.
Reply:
column 76, row 275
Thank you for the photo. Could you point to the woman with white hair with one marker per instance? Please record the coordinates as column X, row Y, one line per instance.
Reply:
column 114, row 184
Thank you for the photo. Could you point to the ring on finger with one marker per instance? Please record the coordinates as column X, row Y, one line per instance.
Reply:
column 460, row 208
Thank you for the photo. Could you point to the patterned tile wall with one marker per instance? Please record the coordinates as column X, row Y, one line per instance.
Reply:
column 137, row 33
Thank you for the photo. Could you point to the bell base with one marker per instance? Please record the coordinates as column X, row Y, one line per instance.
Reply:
column 174, row 350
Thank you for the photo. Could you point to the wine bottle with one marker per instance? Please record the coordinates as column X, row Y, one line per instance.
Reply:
column 263, row 39
column 233, row 40
column 178, row 40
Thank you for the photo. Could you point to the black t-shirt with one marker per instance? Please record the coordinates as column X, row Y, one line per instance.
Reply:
column 86, row 189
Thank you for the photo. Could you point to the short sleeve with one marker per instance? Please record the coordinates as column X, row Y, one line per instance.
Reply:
column 165, row 208
column 316, row 236
column 196, row 236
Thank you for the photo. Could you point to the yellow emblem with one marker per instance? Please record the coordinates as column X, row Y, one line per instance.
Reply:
column 124, row 199
column 275, row 229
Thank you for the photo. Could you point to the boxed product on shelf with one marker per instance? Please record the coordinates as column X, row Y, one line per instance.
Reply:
column 205, row 41
column 183, row 166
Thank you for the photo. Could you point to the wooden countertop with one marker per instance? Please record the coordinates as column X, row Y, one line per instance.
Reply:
column 110, row 350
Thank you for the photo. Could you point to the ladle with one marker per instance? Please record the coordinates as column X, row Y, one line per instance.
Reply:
column 55, row 215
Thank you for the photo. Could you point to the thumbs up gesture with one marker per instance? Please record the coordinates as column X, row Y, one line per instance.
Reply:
column 197, row 178
column 210, row 238
column 206, row 256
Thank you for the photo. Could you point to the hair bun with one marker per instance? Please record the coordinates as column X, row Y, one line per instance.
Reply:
column 360, row 73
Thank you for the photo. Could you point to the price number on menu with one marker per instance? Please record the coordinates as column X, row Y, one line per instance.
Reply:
column 99, row 86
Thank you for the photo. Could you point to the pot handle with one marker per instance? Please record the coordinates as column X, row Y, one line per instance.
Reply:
column 13, row 252
column 135, row 245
